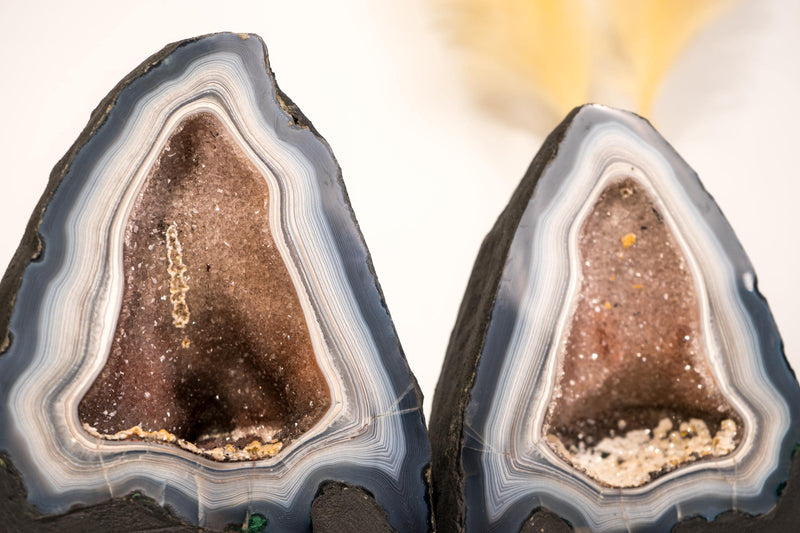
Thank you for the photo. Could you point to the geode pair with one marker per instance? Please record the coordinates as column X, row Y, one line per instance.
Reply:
column 193, row 316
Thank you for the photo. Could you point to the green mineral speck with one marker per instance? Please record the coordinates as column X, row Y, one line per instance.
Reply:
column 256, row 524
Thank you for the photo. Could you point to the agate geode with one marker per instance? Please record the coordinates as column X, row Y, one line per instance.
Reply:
column 193, row 313
column 613, row 363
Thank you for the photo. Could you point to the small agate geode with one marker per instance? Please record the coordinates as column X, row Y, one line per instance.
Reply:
column 193, row 314
column 613, row 363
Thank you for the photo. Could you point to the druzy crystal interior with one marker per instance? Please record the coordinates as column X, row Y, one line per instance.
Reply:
column 612, row 362
column 211, row 345
column 636, row 396
column 195, row 315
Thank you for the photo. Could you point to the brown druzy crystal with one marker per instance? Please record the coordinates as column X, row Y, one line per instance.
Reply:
column 633, row 355
column 211, row 343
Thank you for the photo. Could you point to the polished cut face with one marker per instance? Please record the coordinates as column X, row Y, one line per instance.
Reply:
column 612, row 362
column 193, row 314
column 211, row 345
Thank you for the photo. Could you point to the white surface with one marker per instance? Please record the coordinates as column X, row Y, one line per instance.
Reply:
column 427, row 171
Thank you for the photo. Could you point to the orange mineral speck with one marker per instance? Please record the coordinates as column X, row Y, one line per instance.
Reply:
column 628, row 240
column 623, row 373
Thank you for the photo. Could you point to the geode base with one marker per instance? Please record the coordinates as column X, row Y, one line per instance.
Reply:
column 340, row 508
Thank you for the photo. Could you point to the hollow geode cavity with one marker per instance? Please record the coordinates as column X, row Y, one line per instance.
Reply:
column 193, row 314
column 613, row 363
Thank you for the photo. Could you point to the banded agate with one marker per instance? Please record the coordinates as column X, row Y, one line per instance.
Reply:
column 613, row 365
column 193, row 314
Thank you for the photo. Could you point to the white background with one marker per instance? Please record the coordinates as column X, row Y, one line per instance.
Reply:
column 427, row 170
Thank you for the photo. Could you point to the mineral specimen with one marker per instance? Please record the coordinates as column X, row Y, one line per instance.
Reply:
column 193, row 316
column 613, row 363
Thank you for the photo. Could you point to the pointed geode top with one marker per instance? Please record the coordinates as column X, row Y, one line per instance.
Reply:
column 515, row 349
column 66, row 310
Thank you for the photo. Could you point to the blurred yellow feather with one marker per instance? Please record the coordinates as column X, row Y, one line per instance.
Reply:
column 529, row 57
column 541, row 44
column 653, row 33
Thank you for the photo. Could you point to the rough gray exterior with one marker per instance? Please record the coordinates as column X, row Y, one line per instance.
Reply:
column 132, row 513
column 340, row 508
column 454, row 390
column 31, row 247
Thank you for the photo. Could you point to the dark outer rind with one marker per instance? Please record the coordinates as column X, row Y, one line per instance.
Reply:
column 341, row 508
column 132, row 513
column 544, row 521
column 302, row 121
column 457, row 378
column 117, row 514
column 783, row 517
column 454, row 389
column 32, row 247
column 338, row 508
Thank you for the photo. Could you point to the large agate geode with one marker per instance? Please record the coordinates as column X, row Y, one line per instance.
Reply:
column 193, row 314
column 613, row 363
